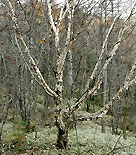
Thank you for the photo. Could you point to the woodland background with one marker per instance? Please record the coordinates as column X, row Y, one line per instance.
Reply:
column 27, row 112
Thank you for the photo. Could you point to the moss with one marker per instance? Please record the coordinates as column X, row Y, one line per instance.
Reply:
column 89, row 140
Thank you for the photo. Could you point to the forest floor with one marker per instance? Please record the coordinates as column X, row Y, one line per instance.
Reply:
column 85, row 139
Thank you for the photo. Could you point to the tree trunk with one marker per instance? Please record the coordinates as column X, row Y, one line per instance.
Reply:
column 61, row 124
column 62, row 139
column 104, row 97
column 29, row 106
column 22, row 93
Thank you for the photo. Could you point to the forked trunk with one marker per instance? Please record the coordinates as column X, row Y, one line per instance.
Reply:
column 62, row 139
column 62, row 126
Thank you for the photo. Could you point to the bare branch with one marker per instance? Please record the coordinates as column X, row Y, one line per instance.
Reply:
column 102, row 52
column 27, row 56
column 116, row 46
column 105, row 109
column 62, row 56
column 50, row 16
column 93, row 91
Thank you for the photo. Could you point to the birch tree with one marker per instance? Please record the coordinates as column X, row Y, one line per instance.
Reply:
column 64, row 114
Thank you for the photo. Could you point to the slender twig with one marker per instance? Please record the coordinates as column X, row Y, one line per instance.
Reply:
column 5, row 119
column 114, row 147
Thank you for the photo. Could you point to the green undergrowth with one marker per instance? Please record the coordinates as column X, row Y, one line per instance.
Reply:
column 86, row 140
column 13, row 138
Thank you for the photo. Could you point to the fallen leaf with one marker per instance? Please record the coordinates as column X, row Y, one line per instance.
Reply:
column 42, row 41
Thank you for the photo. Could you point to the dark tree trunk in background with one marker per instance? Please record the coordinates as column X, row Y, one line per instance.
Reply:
column 22, row 101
